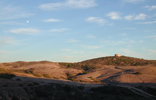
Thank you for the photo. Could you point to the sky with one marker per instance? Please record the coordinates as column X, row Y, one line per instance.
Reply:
column 76, row 30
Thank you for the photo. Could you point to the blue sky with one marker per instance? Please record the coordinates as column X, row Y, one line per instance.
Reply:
column 76, row 30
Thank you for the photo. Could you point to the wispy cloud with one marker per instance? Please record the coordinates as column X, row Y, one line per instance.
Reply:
column 151, row 7
column 152, row 22
column 52, row 20
column 152, row 51
column 68, row 4
column 72, row 40
column 122, row 42
column 66, row 50
column 130, row 28
column 140, row 17
column 59, row 30
column 7, row 41
column 10, row 12
column 11, row 23
column 78, row 52
column 95, row 20
column 92, row 47
column 123, row 34
column 152, row 37
column 114, row 15
column 28, row 31
column 3, row 52
column 91, row 37
column 136, row 17
column 129, row 17
column 110, row 24
column 128, row 52
column 133, row 1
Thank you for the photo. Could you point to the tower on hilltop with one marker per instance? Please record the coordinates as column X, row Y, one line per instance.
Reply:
column 117, row 55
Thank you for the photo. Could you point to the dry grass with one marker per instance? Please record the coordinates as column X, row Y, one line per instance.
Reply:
column 88, row 71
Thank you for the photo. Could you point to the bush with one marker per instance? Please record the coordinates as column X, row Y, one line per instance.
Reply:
column 47, row 76
column 29, row 71
column 68, row 65
column 71, row 78
column 138, row 73
column 94, row 79
column 37, row 75
column 55, row 77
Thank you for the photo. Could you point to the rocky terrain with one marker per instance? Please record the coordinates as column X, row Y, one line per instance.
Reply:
column 106, row 78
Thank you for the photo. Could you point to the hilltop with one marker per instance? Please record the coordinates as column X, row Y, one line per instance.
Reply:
column 119, row 61
column 95, row 70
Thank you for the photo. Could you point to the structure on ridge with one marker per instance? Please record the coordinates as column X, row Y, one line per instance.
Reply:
column 117, row 55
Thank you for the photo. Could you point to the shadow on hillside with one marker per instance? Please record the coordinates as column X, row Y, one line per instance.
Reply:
column 47, row 81
column 52, row 89
column 6, row 76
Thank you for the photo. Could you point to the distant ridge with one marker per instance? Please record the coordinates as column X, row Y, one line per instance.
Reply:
column 121, row 61
column 109, row 60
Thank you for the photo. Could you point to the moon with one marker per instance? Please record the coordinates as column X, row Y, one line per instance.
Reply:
column 27, row 21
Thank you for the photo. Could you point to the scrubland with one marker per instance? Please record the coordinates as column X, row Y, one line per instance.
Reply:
column 105, row 78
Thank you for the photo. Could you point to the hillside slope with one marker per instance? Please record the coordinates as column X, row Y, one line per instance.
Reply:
column 24, row 88
column 99, row 70
column 104, row 78
column 119, row 61
column 42, row 69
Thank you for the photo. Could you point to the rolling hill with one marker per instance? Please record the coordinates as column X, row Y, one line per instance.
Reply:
column 122, row 74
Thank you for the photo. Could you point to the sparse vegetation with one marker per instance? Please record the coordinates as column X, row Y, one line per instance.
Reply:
column 119, row 61
column 55, row 78
column 72, row 78
column 3, row 70
column 138, row 73
column 37, row 75
column 42, row 90
column 94, row 79
column 69, row 65
column 47, row 76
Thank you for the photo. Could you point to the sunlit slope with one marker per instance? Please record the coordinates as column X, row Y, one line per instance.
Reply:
column 121, row 61
column 99, row 70
column 42, row 69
